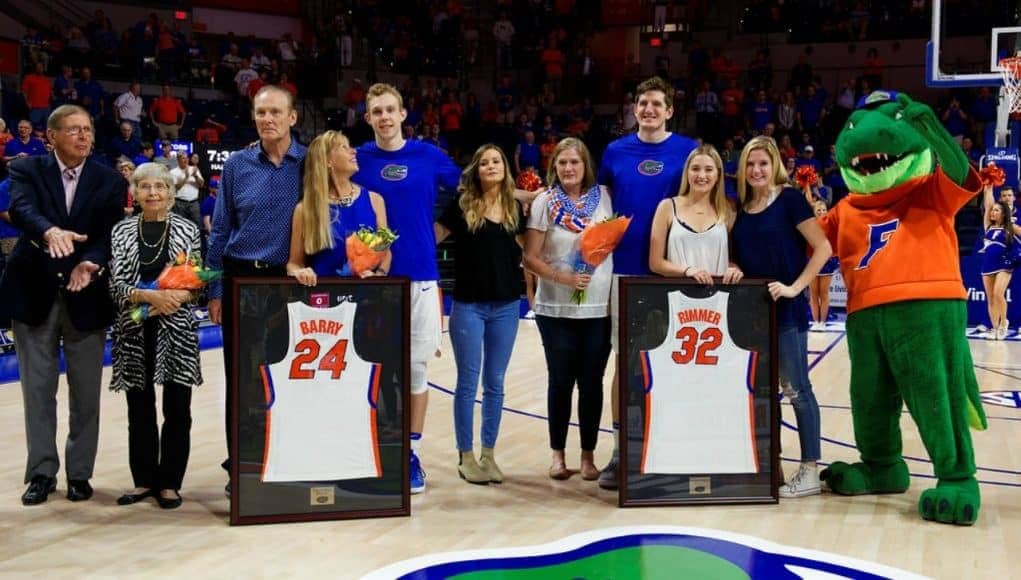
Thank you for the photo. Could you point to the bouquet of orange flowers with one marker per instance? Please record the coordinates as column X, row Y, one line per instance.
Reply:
column 992, row 174
column 529, row 180
column 184, row 273
column 805, row 176
column 595, row 243
column 366, row 248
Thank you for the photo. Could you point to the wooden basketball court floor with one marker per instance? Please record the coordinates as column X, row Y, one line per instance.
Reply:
column 100, row 539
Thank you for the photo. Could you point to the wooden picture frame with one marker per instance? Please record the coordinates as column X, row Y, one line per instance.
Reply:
column 703, row 455
column 380, row 334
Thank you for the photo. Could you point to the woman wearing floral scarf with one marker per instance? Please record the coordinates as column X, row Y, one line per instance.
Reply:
column 576, row 337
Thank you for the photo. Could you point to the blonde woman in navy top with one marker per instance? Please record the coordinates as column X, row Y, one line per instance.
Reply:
column 774, row 228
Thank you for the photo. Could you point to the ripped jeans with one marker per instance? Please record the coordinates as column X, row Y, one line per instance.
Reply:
column 793, row 358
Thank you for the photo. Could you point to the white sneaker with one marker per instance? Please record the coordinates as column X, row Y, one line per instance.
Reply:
column 815, row 327
column 530, row 315
column 987, row 334
column 804, row 482
column 981, row 328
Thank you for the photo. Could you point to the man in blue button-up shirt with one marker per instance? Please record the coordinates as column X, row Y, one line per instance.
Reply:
column 251, row 233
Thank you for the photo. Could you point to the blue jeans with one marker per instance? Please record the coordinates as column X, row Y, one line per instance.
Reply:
column 482, row 334
column 793, row 353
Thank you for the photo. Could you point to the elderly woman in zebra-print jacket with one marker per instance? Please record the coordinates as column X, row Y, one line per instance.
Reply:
column 163, row 349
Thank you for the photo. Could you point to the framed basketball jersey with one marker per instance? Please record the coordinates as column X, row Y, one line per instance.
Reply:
column 321, row 401
column 318, row 399
column 698, row 383
column 700, row 415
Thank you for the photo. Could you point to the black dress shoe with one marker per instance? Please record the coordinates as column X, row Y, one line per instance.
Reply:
column 130, row 498
column 38, row 490
column 78, row 489
column 169, row 503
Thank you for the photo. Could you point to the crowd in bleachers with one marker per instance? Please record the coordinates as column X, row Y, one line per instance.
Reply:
column 546, row 76
column 63, row 67
column 855, row 20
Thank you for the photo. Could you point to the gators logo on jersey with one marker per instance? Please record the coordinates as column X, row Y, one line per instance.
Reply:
column 640, row 552
column 650, row 167
column 394, row 172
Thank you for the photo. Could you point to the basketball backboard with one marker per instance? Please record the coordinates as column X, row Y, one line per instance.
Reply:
column 966, row 45
column 965, row 49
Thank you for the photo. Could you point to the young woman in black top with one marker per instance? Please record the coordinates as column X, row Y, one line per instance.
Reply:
column 487, row 224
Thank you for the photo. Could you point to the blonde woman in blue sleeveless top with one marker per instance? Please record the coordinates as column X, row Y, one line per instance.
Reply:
column 331, row 209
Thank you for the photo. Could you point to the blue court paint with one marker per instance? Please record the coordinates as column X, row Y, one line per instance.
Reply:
column 754, row 557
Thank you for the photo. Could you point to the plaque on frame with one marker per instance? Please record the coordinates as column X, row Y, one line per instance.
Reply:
column 699, row 418
column 320, row 399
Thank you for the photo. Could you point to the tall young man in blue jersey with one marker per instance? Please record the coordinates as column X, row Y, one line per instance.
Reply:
column 640, row 170
column 408, row 174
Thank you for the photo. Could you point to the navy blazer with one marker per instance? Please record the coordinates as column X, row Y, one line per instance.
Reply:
column 32, row 278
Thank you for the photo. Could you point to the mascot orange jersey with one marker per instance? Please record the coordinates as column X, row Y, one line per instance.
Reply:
column 900, row 244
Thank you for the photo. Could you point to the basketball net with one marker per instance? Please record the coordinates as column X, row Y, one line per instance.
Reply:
column 1010, row 68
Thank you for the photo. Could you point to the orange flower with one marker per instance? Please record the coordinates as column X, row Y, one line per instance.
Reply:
column 361, row 257
column 598, row 239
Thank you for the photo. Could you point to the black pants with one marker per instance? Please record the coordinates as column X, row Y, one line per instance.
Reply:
column 158, row 460
column 576, row 352
column 233, row 268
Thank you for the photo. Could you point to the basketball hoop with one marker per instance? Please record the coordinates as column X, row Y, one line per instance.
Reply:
column 1010, row 68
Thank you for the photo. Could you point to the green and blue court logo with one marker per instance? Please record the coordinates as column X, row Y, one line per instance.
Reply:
column 644, row 552
column 650, row 167
column 394, row 172
column 1010, row 399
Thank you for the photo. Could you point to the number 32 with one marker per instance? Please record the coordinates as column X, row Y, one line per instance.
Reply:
column 698, row 346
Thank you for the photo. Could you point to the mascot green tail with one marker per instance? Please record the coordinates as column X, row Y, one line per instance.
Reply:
column 907, row 317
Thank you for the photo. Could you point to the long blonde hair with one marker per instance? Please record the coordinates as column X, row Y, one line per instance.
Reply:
column 768, row 145
column 472, row 202
column 316, row 186
column 718, row 196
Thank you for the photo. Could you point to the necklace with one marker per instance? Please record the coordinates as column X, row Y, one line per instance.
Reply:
column 345, row 200
column 158, row 245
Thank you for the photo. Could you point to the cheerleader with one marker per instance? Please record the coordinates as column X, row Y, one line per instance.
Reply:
column 819, row 287
column 998, row 251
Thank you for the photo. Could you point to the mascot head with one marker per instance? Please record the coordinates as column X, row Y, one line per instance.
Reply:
column 882, row 144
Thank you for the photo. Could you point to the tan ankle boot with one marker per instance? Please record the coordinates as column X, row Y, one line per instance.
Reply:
column 489, row 466
column 469, row 470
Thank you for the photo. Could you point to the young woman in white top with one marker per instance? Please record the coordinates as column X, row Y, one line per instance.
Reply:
column 575, row 337
column 690, row 230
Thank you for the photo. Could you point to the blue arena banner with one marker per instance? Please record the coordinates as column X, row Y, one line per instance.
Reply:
column 978, row 308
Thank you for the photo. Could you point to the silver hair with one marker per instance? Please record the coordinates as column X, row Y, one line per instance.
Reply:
column 56, row 118
column 154, row 171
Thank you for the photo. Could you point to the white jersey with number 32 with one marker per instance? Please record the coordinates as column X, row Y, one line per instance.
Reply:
column 698, row 403
column 320, row 401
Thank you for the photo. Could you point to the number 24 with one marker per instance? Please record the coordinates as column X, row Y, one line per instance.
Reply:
column 697, row 345
column 308, row 352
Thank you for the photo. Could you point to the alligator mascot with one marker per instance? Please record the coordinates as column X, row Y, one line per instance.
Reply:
column 906, row 311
